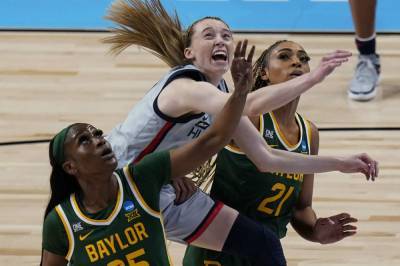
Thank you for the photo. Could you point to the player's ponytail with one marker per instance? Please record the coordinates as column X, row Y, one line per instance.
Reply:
column 147, row 24
column 260, row 64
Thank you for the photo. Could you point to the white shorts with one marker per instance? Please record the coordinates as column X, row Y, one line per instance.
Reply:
column 183, row 223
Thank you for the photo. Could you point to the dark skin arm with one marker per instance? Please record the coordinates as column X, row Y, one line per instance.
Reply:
column 186, row 158
column 51, row 259
column 305, row 222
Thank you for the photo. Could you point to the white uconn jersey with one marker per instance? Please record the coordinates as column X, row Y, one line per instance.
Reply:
column 147, row 129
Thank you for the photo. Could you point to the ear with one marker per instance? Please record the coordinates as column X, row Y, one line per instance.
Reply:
column 70, row 168
column 188, row 53
column 264, row 74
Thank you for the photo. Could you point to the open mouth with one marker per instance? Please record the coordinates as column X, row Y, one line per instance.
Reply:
column 107, row 153
column 219, row 56
column 296, row 73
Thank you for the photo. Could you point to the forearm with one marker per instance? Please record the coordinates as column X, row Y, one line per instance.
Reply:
column 269, row 98
column 282, row 161
column 226, row 122
column 186, row 158
column 303, row 222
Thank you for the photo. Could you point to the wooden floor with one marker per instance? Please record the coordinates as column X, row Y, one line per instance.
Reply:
column 48, row 80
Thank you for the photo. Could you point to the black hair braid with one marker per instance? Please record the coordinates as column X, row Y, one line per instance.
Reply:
column 261, row 62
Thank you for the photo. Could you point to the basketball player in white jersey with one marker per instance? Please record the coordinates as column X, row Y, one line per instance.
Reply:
column 181, row 105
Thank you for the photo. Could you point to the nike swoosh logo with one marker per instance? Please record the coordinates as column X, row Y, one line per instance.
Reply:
column 83, row 237
column 273, row 145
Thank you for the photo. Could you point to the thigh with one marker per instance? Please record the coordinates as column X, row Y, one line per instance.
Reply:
column 198, row 221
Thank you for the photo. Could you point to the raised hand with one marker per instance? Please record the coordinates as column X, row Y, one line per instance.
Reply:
column 361, row 163
column 241, row 69
column 328, row 64
column 334, row 228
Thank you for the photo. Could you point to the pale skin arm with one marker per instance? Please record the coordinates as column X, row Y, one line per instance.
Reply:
column 188, row 157
column 305, row 222
column 203, row 97
column 272, row 160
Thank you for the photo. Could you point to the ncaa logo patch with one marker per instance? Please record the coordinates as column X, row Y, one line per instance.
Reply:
column 128, row 206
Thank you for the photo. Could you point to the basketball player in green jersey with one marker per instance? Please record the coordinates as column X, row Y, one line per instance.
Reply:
column 101, row 216
column 275, row 199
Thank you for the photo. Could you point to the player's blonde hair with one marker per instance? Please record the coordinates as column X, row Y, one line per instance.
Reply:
column 146, row 23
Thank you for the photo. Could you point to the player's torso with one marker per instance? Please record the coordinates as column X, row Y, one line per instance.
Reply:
column 129, row 233
column 147, row 129
column 266, row 197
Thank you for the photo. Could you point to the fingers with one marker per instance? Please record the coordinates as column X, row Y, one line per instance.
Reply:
column 349, row 227
column 244, row 48
column 338, row 54
column 238, row 49
column 348, row 233
column 336, row 218
column 178, row 190
column 190, row 188
column 184, row 189
column 372, row 166
column 250, row 56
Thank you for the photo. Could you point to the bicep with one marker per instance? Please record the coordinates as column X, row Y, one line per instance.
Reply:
column 51, row 259
column 183, row 96
column 252, row 143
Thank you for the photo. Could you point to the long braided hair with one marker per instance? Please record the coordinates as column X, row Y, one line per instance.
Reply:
column 62, row 185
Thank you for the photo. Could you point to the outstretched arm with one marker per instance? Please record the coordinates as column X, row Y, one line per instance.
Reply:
column 203, row 97
column 305, row 221
column 186, row 158
column 272, row 160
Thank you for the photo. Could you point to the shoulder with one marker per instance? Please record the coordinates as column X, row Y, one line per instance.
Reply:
column 151, row 162
column 52, row 219
column 313, row 137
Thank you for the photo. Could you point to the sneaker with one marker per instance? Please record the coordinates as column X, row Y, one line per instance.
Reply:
column 363, row 86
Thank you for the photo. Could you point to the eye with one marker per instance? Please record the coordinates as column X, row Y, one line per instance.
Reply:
column 227, row 36
column 83, row 139
column 283, row 56
column 208, row 35
column 304, row 59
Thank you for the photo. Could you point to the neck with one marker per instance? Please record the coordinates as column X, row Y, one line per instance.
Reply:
column 285, row 115
column 212, row 77
column 98, row 193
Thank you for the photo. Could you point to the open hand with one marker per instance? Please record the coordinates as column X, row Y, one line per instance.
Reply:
column 334, row 228
column 241, row 69
column 328, row 63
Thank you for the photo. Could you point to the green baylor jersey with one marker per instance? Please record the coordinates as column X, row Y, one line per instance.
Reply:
column 266, row 197
column 130, row 233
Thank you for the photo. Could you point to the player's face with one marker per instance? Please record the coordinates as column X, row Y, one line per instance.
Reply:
column 287, row 61
column 87, row 152
column 211, row 48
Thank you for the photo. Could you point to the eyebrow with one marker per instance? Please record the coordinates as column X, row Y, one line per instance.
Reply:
column 87, row 129
column 211, row 28
column 290, row 50
column 208, row 28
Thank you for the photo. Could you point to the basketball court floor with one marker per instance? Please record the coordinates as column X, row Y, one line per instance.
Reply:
column 49, row 80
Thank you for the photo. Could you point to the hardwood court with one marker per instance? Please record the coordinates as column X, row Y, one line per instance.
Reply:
column 48, row 80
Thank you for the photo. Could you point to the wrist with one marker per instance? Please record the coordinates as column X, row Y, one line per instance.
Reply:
column 312, row 79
